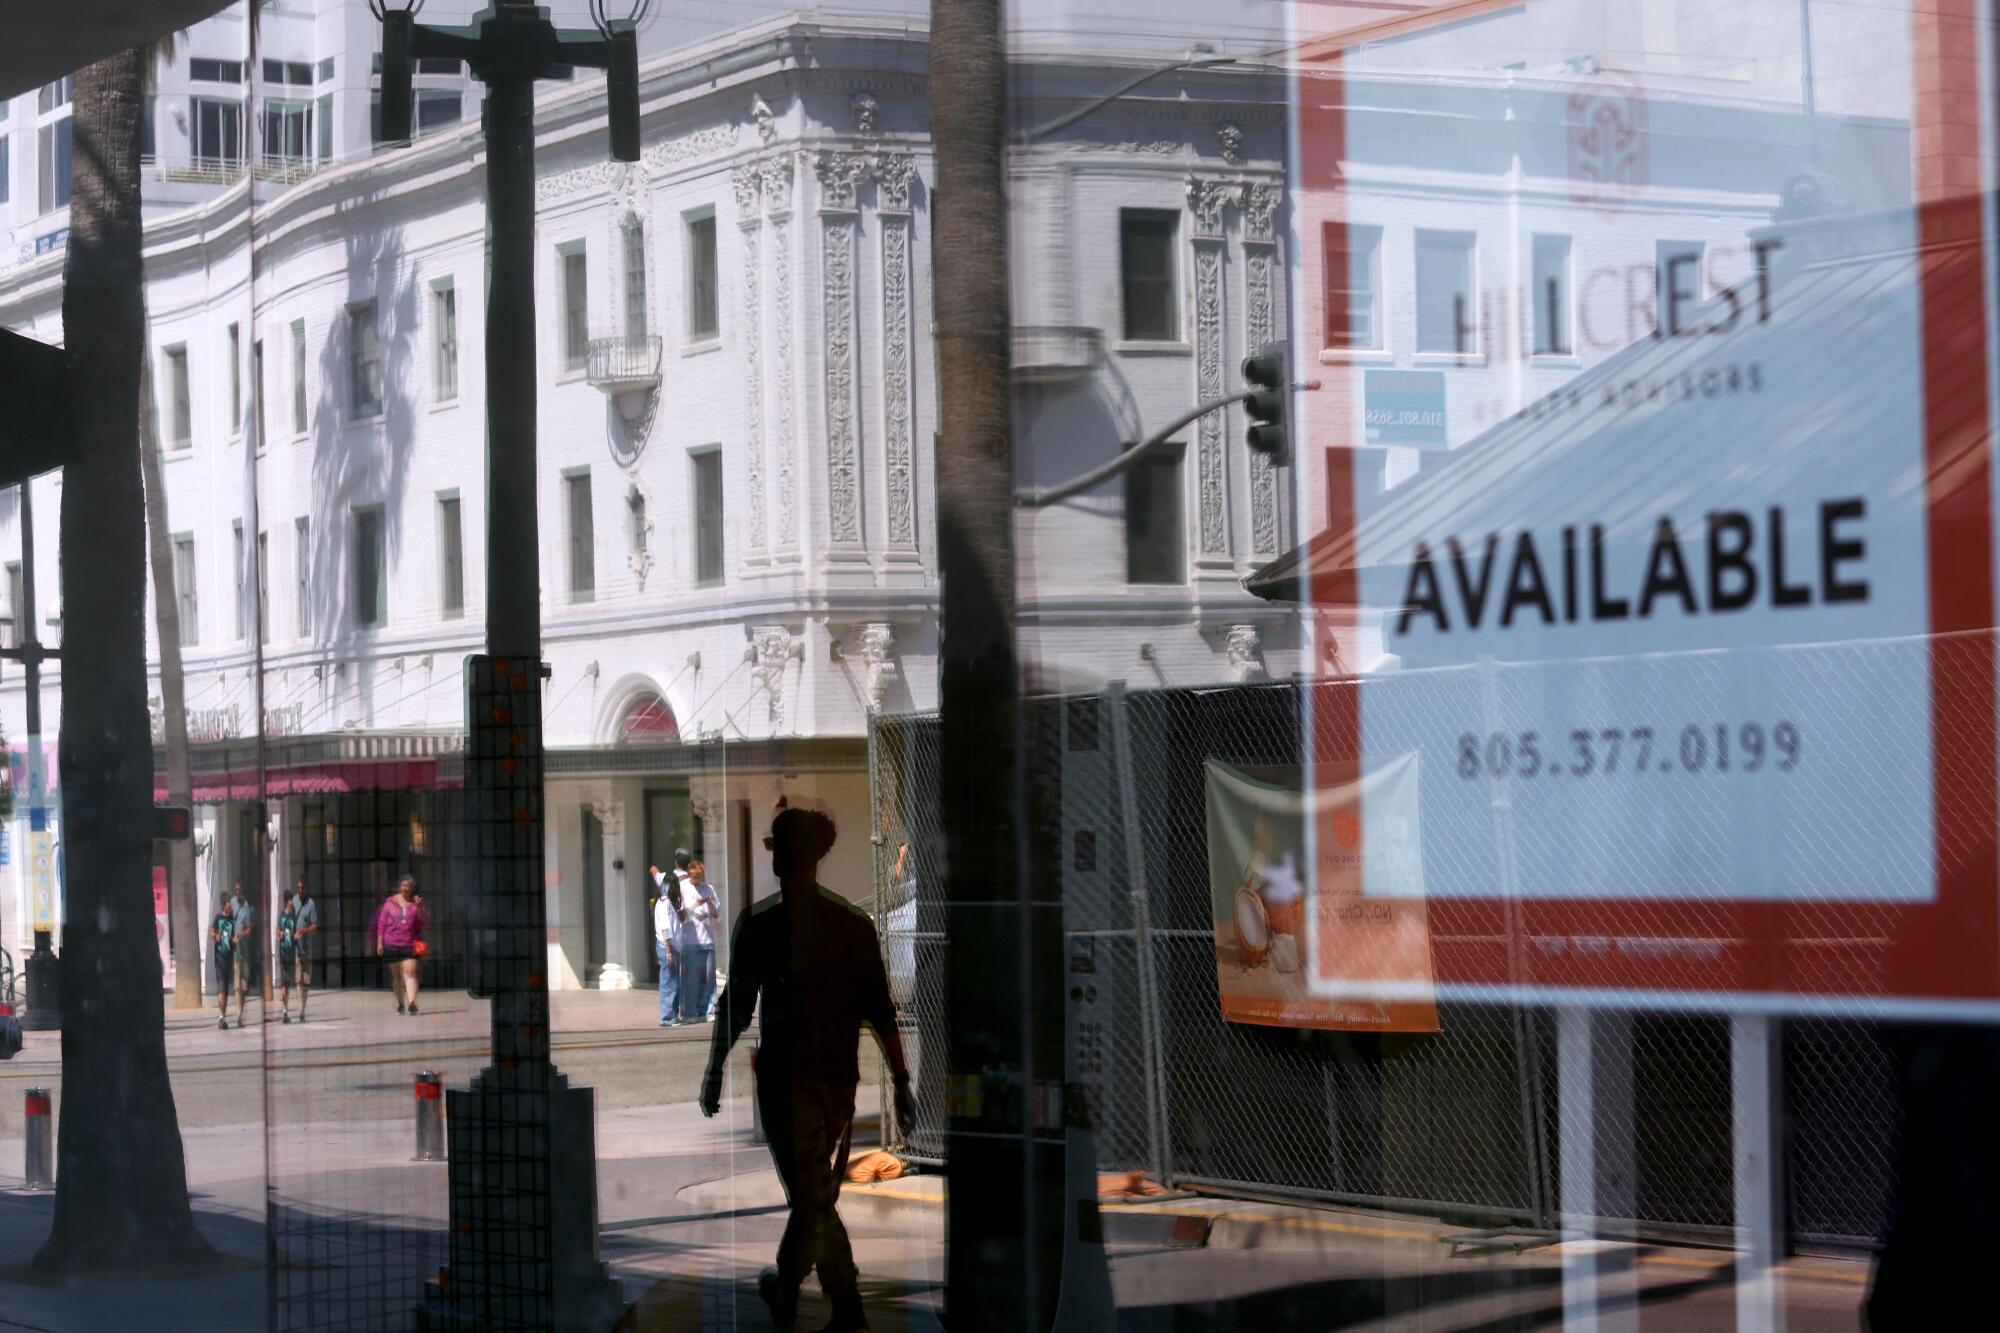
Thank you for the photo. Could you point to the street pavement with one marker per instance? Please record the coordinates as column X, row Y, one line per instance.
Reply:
column 690, row 1210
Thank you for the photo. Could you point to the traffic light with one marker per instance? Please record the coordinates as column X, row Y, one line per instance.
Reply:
column 1265, row 372
column 398, row 64
column 170, row 823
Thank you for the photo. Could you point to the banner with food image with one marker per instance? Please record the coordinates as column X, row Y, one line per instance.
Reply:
column 1290, row 910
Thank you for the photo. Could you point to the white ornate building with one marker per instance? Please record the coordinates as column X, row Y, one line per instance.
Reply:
column 737, row 409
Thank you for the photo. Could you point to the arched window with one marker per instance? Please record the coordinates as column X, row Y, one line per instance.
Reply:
column 649, row 721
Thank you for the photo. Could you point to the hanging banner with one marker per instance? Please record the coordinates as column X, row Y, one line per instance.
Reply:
column 1298, row 941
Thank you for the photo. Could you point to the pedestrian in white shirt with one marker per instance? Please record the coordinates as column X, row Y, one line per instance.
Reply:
column 700, row 913
column 666, row 938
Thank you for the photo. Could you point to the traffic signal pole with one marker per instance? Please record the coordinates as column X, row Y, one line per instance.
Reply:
column 523, row 1249
column 43, row 967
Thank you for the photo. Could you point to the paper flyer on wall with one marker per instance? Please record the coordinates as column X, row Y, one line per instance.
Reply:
column 1294, row 925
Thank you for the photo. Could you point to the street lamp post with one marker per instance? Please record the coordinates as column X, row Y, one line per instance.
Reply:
column 521, row 1144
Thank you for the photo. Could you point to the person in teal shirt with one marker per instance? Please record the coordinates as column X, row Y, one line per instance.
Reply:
column 223, row 934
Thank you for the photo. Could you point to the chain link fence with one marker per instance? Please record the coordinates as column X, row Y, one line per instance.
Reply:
column 1462, row 1123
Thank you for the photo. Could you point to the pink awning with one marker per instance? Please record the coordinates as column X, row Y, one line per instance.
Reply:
column 311, row 780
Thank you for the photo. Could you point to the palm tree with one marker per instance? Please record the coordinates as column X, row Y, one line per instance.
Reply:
column 121, row 1179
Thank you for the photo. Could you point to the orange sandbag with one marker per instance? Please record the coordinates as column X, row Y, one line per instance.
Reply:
column 874, row 1166
column 1128, row 1185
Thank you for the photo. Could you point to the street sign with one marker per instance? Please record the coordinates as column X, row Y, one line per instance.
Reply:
column 1694, row 644
column 42, row 875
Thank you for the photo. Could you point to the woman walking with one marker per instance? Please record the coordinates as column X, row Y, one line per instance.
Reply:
column 399, row 939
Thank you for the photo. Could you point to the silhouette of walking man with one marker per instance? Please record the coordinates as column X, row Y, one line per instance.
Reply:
column 814, row 961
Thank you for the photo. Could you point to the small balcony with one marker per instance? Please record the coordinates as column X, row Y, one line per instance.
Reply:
column 629, row 364
column 1055, row 353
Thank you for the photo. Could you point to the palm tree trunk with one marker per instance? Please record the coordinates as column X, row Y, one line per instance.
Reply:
column 1005, row 1245
column 121, row 1179
column 183, row 912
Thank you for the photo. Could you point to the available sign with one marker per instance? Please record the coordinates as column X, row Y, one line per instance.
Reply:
column 1696, row 648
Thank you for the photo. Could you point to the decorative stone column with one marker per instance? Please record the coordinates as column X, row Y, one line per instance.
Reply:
column 611, row 819
column 748, row 181
column 1244, row 646
column 894, row 174
column 778, row 178
column 1206, row 201
column 839, row 174
column 878, row 647
column 1261, row 273
column 773, row 645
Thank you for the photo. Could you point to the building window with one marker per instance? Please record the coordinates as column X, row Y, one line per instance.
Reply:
column 326, row 70
column 234, row 338
column 215, row 71
column 371, row 569
column 17, row 605
column 54, row 143
column 263, row 587
column 708, row 516
column 184, row 589
column 302, row 574
column 323, row 128
column 181, row 415
column 1147, row 272
column 257, row 386
column 1550, row 296
column 635, row 276
column 1677, row 288
column 582, row 537
column 444, row 341
column 704, row 321
column 1155, row 544
column 576, row 310
column 55, row 96
column 1447, row 309
column 288, row 131
column 149, row 111
column 298, row 72
column 217, row 126
column 451, row 558
column 240, row 590
column 437, row 108
column 1353, row 257
column 364, row 362
column 298, row 377
column 6, row 167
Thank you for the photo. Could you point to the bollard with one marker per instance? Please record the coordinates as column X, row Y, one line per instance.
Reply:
column 40, row 1170
column 430, row 1118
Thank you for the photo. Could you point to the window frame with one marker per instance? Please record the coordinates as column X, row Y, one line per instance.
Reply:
column 451, row 555
column 1331, row 344
column 232, row 339
column 302, row 616
column 359, row 369
column 581, row 540
column 180, row 390
column 187, row 588
column 1168, row 220
column 361, row 518
column 704, row 290
column 444, row 342
column 1466, row 244
column 1169, row 459
column 301, row 408
column 708, row 458
column 573, row 277
column 1557, row 344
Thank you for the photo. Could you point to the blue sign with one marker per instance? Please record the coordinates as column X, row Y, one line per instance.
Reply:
column 55, row 240
column 1405, row 407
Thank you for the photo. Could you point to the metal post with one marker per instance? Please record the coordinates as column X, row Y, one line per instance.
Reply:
column 43, row 968
column 1159, row 1129
column 1594, row 1068
column 430, row 1118
column 39, row 1126
column 1756, row 1104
